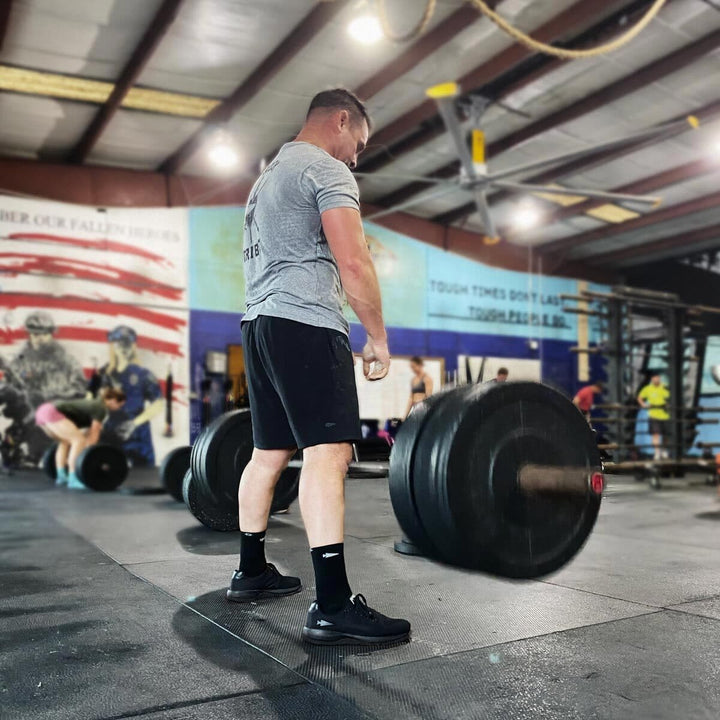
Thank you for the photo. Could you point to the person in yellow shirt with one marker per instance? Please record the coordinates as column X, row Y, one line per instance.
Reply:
column 654, row 397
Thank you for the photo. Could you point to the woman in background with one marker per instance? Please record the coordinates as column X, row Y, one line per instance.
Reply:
column 421, row 385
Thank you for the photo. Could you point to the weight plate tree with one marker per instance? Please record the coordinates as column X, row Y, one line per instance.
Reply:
column 173, row 468
column 102, row 467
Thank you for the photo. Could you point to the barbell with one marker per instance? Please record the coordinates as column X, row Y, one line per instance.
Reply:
column 100, row 467
column 503, row 478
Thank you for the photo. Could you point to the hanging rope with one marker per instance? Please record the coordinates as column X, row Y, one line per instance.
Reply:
column 538, row 46
column 418, row 30
column 521, row 37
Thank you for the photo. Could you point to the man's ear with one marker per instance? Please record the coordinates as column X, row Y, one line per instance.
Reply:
column 344, row 118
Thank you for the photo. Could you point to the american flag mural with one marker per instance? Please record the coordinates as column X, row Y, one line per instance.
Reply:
column 90, row 298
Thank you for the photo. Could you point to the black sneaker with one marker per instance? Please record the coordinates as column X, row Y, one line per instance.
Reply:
column 355, row 623
column 270, row 583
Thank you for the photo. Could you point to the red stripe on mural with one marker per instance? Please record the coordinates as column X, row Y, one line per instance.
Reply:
column 9, row 337
column 86, row 271
column 72, row 302
column 95, row 335
column 100, row 336
column 100, row 244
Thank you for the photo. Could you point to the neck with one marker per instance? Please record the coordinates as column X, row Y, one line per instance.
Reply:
column 315, row 137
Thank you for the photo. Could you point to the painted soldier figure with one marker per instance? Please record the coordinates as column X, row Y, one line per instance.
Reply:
column 44, row 367
column 131, row 424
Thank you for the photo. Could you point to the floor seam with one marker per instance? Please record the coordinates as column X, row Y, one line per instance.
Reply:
column 714, row 596
column 602, row 595
column 202, row 701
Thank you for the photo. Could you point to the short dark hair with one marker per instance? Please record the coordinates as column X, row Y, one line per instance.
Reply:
column 340, row 99
column 114, row 394
column 599, row 384
column 417, row 360
column 503, row 371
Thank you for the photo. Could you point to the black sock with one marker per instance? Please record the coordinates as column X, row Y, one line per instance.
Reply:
column 333, row 589
column 252, row 553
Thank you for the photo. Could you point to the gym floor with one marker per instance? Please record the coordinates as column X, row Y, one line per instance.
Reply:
column 113, row 607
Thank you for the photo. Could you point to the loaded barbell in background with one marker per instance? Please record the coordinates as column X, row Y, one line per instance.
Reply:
column 100, row 467
column 502, row 478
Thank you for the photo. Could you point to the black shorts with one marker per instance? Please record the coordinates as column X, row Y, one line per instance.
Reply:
column 658, row 427
column 301, row 382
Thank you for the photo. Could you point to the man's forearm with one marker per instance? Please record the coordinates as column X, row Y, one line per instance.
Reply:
column 363, row 293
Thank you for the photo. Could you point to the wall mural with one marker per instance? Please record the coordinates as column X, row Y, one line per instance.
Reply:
column 89, row 299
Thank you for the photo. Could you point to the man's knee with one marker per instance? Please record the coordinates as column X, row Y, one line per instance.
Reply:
column 336, row 456
column 271, row 462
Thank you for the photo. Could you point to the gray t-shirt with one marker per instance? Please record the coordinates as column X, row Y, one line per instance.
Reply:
column 290, row 271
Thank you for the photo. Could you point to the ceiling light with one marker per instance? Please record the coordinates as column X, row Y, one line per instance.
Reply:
column 366, row 29
column 223, row 155
column 526, row 217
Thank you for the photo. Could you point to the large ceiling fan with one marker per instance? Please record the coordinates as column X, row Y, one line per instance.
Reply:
column 476, row 179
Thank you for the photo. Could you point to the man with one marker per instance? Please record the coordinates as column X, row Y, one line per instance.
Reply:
column 75, row 424
column 502, row 375
column 44, row 367
column 654, row 398
column 585, row 398
column 303, row 246
column 131, row 425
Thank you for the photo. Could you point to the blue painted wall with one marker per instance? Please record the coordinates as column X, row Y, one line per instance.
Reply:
column 436, row 303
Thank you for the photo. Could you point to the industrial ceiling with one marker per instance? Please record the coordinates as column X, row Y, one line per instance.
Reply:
column 148, row 84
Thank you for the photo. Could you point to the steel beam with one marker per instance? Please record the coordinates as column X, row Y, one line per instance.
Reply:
column 422, row 123
column 149, row 42
column 289, row 47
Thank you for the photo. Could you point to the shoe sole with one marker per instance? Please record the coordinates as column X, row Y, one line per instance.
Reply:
column 333, row 637
column 246, row 595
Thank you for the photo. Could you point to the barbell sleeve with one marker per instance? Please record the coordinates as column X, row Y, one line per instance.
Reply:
column 554, row 479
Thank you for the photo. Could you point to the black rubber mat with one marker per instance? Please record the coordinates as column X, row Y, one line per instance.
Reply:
column 657, row 667
column 299, row 702
column 80, row 637
column 597, row 640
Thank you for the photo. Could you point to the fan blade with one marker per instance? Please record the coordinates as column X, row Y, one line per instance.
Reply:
column 402, row 176
column 649, row 134
column 598, row 194
column 417, row 200
column 484, row 212
column 446, row 107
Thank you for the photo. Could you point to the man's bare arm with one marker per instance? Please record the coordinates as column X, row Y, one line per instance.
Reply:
column 344, row 232
column 346, row 238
